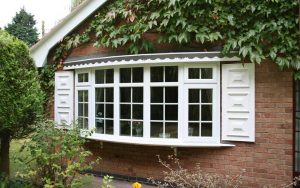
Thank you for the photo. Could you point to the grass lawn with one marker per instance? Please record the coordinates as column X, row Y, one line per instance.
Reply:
column 15, row 152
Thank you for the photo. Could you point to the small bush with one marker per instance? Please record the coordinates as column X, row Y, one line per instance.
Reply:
column 57, row 157
column 177, row 176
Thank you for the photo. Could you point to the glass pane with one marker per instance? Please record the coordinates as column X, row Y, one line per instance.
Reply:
column 194, row 73
column 86, row 110
column 157, row 74
column 125, row 94
column 206, row 113
column 171, row 112
column 137, row 128
column 194, row 129
column 171, row 95
column 157, row 129
column 99, row 76
column 137, row 75
column 206, row 95
column 206, row 73
column 137, row 111
column 157, row 112
column 99, row 126
column 109, row 110
column 157, row 94
column 100, row 110
column 109, row 129
column 125, row 75
column 194, row 113
column 83, row 77
column 110, row 76
column 125, row 128
column 109, row 94
column 171, row 74
column 80, row 96
column 80, row 109
column 85, row 96
column 206, row 129
column 194, row 96
column 80, row 122
column 125, row 111
column 171, row 130
column 99, row 95
column 137, row 94
column 85, row 123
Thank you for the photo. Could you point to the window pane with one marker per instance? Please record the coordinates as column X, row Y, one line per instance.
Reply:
column 157, row 112
column 83, row 77
column 99, row 110
column 109, row 129
column 86, row 110
column 137, row 75
column 99, row 126
column 171, row 94
column 157, row 94
column 171, row 130
column 194, row 129
column 99, row 76
column 99, row 94
column 109, row 95
column 80, row 122
column 194, row 113
column 125, row 128
column 125, row 94
column 206, row 113
column 171, row 74
column 137, row 128
column 206, row 95
column 157, row 129
column 194, row 73
column 81, row 96
column 109, row 110
column 206, row 73
column 206, row 129
column 110, row 76
column 80, row 109
column 157, row 74
column 137, row 94
column 137, row 111
column 125, row 75
column 171, row 112
column 125, row 111
column 85, row 123
column 194, row 96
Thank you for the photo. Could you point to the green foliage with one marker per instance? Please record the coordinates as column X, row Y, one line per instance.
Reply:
column 23, row 27
column 20, row 97
column 46, row 77
column 256, row 29
column 57, row 156
column 107, row 182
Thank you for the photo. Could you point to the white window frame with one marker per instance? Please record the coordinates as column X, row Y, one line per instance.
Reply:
column 183, row 84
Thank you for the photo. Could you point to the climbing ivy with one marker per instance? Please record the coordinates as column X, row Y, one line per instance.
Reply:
column 257, row 29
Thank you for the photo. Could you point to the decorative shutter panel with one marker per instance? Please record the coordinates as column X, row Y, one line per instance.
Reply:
column 238, row 102
column 64, row 97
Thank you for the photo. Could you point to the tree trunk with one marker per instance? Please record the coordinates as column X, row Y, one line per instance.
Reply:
column 4, row 154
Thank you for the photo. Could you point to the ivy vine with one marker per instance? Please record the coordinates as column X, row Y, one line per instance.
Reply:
column 257, row 29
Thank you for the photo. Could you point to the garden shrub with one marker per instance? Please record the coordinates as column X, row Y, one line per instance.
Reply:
column 57, row 157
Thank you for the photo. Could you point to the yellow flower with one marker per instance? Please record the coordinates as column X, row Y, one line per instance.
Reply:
column 136, row 185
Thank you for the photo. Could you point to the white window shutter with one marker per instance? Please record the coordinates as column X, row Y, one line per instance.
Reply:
column 238, row 102
column 64, row 97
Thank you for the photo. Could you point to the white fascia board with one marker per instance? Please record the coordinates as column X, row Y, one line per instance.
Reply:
column 40, row 50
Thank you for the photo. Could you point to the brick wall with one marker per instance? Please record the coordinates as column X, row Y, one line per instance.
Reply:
column 268, row 161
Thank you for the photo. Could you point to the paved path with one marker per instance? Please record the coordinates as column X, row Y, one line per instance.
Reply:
column 96, row 183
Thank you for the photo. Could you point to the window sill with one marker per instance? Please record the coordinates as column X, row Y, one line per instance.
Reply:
column 156, row 142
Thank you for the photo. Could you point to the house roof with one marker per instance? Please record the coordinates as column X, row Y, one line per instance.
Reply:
column 41, row 49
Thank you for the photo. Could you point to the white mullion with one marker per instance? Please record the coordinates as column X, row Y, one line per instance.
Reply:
column 146, row 101
column 104, row 108
column 116, row 103
column 164, row 108
column 200, row 111
column 180, row 104
column 131, row 108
